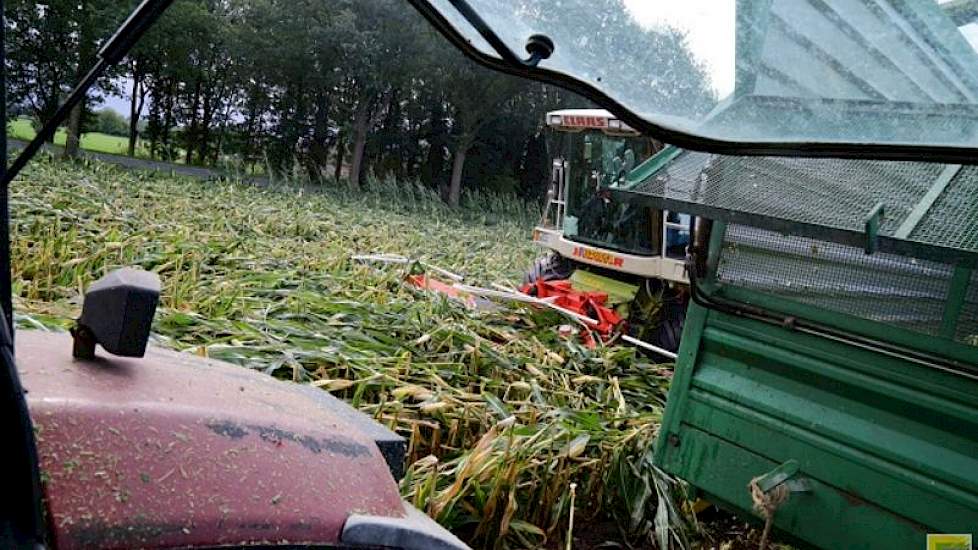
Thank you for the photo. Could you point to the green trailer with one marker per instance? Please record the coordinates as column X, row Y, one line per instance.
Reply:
column 827, row 381
column 837, row 380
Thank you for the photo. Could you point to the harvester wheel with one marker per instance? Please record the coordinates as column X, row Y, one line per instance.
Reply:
column 671, row 320
column 552, row 267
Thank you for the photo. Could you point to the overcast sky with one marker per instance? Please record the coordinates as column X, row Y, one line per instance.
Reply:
column 710, row 31
column 121, row 104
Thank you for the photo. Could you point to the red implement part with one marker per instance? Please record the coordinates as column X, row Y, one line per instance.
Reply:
column 174, row 451
column 434, row 285
column 589, row 304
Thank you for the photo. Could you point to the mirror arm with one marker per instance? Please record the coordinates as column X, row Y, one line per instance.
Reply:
column 83, row 342
column 538, row 46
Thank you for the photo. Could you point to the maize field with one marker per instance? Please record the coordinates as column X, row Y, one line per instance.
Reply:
column 508, row 422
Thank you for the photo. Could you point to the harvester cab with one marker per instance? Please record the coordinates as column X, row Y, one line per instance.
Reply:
column 827, row 383
column 636, row 254
column 594, row 153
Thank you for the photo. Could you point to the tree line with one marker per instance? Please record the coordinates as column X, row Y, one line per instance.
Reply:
column 336, row 88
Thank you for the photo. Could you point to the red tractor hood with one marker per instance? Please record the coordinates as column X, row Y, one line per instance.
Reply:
column 177, row 450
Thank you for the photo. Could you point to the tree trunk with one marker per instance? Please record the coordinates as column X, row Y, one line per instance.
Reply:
column 318, row 155
column 340, row 150
column 45, row 112
column 73, row 138
column 133, row 119
column 191, row 131
column 360, row 126
column 86, row 37
column 455, row 187
column 135, row 110
column 210, row 103
column 168, row 121
column 221, row 136
column 251, row 156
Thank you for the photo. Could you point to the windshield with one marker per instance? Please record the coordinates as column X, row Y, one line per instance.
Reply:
column 781, row 71
column 595, row 162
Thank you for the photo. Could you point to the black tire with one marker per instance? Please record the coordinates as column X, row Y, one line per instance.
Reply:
column 669, row 333
column 552, row 267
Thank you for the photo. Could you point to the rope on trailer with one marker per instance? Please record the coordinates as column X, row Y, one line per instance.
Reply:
column 767, row 504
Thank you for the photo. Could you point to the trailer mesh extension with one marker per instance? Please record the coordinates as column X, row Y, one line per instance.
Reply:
column 891, row 289
column 926, row 205
column 928, row 213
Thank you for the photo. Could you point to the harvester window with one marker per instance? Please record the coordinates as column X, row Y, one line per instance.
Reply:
column 597, row 162
column 677, row 234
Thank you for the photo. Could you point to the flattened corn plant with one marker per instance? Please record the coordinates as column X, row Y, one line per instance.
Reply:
column 502, row 414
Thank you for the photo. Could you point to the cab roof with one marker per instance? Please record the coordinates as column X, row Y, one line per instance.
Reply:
column 577, row 120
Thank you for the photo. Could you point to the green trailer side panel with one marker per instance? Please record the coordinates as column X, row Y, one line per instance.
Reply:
column 827, row 510
column 890, row 447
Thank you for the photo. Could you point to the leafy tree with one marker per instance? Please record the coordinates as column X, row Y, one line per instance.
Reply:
column 39, row 69
column 107, row 121
column 50, row 46
column 474, row 111
column 380, row 54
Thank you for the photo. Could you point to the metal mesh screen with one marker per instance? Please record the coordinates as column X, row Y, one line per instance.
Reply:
column 950, row 220
column 890, row 289
column 831, row 193
column 931, row 204
column 968, row 322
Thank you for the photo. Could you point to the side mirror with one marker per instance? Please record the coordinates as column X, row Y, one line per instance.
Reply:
column 117, row 314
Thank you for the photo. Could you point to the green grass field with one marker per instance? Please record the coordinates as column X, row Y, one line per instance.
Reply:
column 22, row 129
